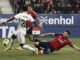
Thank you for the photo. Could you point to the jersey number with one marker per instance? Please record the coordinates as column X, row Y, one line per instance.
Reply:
column 23, row 23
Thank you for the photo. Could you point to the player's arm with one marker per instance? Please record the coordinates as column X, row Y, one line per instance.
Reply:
column 33, row 21
column 39, row 21
column 40, row 24
column 10, row 19
column 37, row 24
column 75, row 47
column 48, row 34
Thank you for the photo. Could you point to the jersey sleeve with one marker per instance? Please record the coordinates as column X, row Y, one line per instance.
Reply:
column 69, row 43
column 35, row 15
column 31, row 19
column 17, row 16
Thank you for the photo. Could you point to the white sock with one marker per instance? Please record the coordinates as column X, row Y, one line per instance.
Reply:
column 28, row 47
column 11, row 43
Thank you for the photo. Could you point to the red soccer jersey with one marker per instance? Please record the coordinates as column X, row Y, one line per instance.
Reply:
column 34, row 15
column 60, row 42
column 29, row 24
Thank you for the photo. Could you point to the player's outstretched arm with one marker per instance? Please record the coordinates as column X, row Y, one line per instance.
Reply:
column 75, row 47
column 12, row 18
column 4, row 23
column 48, row 34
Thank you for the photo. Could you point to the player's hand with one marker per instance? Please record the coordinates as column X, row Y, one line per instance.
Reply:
column 41, row 35
column 40, row 25
column 41, row 28
column 3, row 23
column 42, row 31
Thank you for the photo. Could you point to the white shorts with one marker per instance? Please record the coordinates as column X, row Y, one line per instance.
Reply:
column 20, row 33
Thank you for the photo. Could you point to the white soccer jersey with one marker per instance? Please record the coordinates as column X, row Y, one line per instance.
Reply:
column 22, row 21
column 23, row 18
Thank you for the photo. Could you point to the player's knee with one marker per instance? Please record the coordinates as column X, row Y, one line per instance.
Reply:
column 41, row 51
column 13, row 36
column 36, row 43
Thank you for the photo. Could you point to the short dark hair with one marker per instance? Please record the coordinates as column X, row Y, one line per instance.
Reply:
column 29, row 5
column 24, row 8
column 68, row 32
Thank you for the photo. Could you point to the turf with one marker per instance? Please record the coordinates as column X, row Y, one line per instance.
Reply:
column 67, row 53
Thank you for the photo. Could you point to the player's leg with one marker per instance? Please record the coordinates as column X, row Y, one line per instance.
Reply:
column 13, row 37
column 39, row 44
column 42, row 44
column 31, row 37
column 21, row 38
column 29, row 34
column 47, row 47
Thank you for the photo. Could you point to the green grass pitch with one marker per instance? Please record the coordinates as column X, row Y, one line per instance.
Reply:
column 66, row 53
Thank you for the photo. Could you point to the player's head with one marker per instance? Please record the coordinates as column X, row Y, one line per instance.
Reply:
column 67, row 33
column 29, row 8
column 23, row 9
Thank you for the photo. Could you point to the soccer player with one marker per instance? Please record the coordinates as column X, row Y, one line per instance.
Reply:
column 56, row 44
column 22, row 18
column 30, row 25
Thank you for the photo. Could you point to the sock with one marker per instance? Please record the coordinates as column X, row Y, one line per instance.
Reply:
column 28, row 47
column 11, row 43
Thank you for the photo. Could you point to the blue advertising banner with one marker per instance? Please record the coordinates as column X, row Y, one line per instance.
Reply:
column 60, row 20
column 51, row 23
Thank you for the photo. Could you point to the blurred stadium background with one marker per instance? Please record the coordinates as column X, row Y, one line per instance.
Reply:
column 41, row 6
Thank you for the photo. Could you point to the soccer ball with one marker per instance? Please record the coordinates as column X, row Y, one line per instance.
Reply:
column 5, row 42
